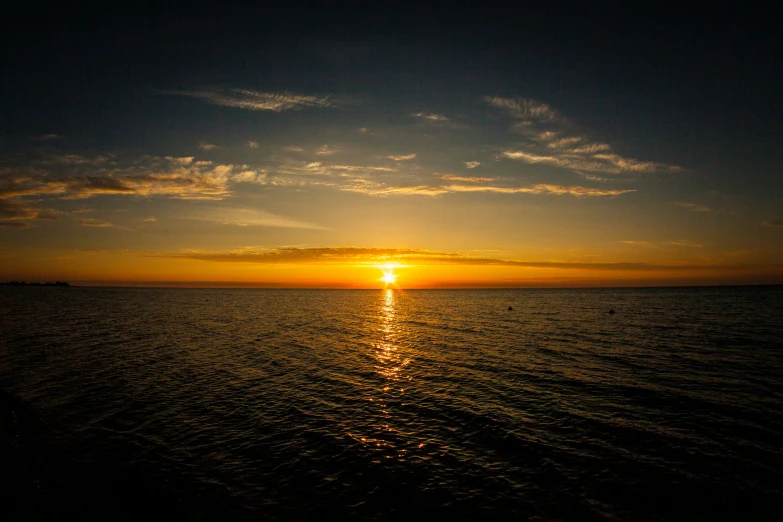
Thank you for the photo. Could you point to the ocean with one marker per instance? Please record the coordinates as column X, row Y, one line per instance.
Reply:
column 212, row 404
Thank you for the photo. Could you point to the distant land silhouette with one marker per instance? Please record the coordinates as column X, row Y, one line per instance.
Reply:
column 25, row 283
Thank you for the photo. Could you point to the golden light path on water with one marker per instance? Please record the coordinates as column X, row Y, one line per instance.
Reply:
column 390, row 365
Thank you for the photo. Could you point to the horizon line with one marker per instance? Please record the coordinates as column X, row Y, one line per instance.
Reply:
column 217, row 285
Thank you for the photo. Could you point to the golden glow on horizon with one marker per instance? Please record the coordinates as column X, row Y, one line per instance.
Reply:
column 137, row 269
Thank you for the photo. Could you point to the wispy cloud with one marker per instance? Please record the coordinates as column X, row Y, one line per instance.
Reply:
column 371, row 188
column 430, row 116
column 249, row 176
column 255, row 100
column 99, row 223
column 19, row 215
column 542, row 188
column 685, row 243
column 324, row 150
column 252, row 144
column 694, row 207
column 207, row 146
column 466, row 179
column 638, row 243
column 251, row 217
column 551, row 139
column 402, row 158
column 81, row 177
column 679, row 243
column 472, row 164
column 772, row 223
column 49, row 137
column 525, row 109
column 320, row 168
column 150, row 219
column 361, row 255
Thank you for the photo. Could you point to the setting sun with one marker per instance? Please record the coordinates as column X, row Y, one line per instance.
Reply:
column 389, row 277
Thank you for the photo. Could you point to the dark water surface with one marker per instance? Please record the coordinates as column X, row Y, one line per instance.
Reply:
column 286, row 404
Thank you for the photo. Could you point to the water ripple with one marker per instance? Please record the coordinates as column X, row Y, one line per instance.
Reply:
column 375, row 405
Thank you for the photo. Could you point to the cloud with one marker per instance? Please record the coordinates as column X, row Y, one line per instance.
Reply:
column 685, row 243
column 472, row 164
column 14, row 224
column 292, row 148
column 255, row 100
column 429, row 116
column 49, row 137
column 181, row 178
column 586, row 159
column 467, row 179
column 89, row 222
column 679, row 243
column 542, row 188
column 79, row 177
column 207, row 146
column 150, row 219
column 638, row 243
column 17, row 214
column 249, row 176
column 551, row 139
column 373, row 188
column 10, row 210
column 324, row 150
column 693, row 207
column 525, row 109
column 252, row 144
column 772, row 223
column 402, row 158
column 380, row 189
column 320, row 168
column 245, row 217
column 373, row 256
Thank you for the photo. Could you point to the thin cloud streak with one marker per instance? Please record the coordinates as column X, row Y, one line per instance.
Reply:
column 89, row 222
column 255, row 100
column 694, row 207
column 678, row 243
column 542, row 188
column 466, row 179
column 360, row 255
column 402, row 158
column 429, row 116
column 249, row 217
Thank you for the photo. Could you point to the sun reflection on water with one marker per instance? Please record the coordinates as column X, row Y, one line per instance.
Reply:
column 390, row 364
column 387, row 353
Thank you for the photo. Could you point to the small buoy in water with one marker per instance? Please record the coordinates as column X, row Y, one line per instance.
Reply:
column 611, row 311
column 510, row 308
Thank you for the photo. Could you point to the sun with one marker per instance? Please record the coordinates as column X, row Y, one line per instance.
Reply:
column 389, row 277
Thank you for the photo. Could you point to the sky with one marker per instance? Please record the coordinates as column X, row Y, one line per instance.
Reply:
column 312, row 146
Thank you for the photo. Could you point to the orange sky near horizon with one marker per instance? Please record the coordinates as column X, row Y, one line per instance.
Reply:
column 132, row 269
